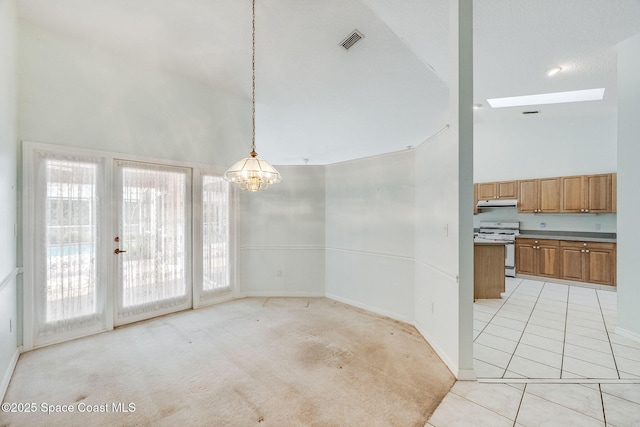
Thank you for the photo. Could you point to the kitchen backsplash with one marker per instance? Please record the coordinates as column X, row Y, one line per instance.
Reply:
column 605, row 223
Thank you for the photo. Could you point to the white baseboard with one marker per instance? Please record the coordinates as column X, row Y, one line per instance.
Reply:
column 460, row 374
column 372, row 309
column 281, row 294
column 4, row 385
column 627, row 334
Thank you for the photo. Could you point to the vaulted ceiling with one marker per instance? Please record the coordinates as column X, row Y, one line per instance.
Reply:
column 318, row 101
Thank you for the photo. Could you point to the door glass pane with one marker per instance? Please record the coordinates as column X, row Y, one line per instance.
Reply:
column 154, row 229
column 67, row 290
column 215, row 235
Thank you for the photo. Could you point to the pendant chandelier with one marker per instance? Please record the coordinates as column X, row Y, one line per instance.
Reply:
column 252, row 173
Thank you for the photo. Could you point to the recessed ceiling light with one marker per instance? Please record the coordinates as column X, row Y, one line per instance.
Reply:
column 548, row 98
column 554, row 71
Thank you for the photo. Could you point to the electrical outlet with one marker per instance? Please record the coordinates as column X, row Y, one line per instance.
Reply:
column 278, row 273
column 445, row 230
column 543, row 224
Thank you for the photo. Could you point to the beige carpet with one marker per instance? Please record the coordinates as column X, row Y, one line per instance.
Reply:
column 254, row 361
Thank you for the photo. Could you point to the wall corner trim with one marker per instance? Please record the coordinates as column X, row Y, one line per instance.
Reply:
column 5, row 281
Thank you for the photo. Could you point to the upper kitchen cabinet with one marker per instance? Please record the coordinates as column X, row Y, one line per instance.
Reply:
column 539, row 195
column 614, row 192
column 587, row 194
column 497, row 190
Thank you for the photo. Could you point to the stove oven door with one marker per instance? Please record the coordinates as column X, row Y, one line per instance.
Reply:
column 510, row 260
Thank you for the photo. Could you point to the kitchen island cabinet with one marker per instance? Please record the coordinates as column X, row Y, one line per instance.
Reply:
column 488, row 275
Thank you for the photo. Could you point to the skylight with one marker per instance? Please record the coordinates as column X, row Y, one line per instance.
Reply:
column 548, row 98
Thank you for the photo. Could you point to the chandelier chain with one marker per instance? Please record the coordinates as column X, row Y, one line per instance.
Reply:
column 253, row 78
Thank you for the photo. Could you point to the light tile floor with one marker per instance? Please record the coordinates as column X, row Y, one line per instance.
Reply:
column 546, row 354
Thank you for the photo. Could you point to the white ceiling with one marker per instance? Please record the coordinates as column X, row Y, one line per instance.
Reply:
column 317, row 101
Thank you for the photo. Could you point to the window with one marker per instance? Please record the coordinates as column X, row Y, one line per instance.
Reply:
column 215, row 235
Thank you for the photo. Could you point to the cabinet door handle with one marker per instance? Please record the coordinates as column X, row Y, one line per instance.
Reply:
column 586, row 210
column 581, row 210
column 582, row 250
column 587, row 251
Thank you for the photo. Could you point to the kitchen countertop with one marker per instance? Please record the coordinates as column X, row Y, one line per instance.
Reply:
column 569, row 235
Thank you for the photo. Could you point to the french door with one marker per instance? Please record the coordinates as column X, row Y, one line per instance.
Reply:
column 110, row 241
column 152, row 244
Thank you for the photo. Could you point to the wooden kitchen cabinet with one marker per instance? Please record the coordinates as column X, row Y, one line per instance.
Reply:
column 475, row 198
column 497, row 190
column 592, row 262
column 614, row 192
column 539, row 195
column 487, row 191
column 538, row 257
column 587, row 194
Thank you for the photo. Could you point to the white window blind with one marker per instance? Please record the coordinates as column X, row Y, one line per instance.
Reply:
column 68, row 293
column 154, row 226
column 215, row 235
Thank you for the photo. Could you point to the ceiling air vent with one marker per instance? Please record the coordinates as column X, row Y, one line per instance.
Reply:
column 531, row 112
column 352, row 39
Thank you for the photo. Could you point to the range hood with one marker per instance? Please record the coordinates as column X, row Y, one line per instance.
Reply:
column 498, row 203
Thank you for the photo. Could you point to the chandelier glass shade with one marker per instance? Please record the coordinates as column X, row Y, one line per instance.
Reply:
column 252, row 173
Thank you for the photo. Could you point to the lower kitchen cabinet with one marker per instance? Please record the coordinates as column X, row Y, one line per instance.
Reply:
column 537, row 257
column 588, row 262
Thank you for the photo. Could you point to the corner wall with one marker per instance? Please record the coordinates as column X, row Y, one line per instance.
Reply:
column 628, row 183
column 8, row 201
column 436, row 253
column 281, row 240
column 370, row 233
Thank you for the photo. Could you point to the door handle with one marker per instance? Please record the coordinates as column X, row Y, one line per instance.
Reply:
column 117, row 251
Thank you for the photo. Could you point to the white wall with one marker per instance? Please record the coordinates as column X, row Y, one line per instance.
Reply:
column 281, row 235
column 8, row 185
column 444, row 209
column 370, row 233
column 436, row 245
column 76, row 94
column 535, row 147
column 628, row 185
